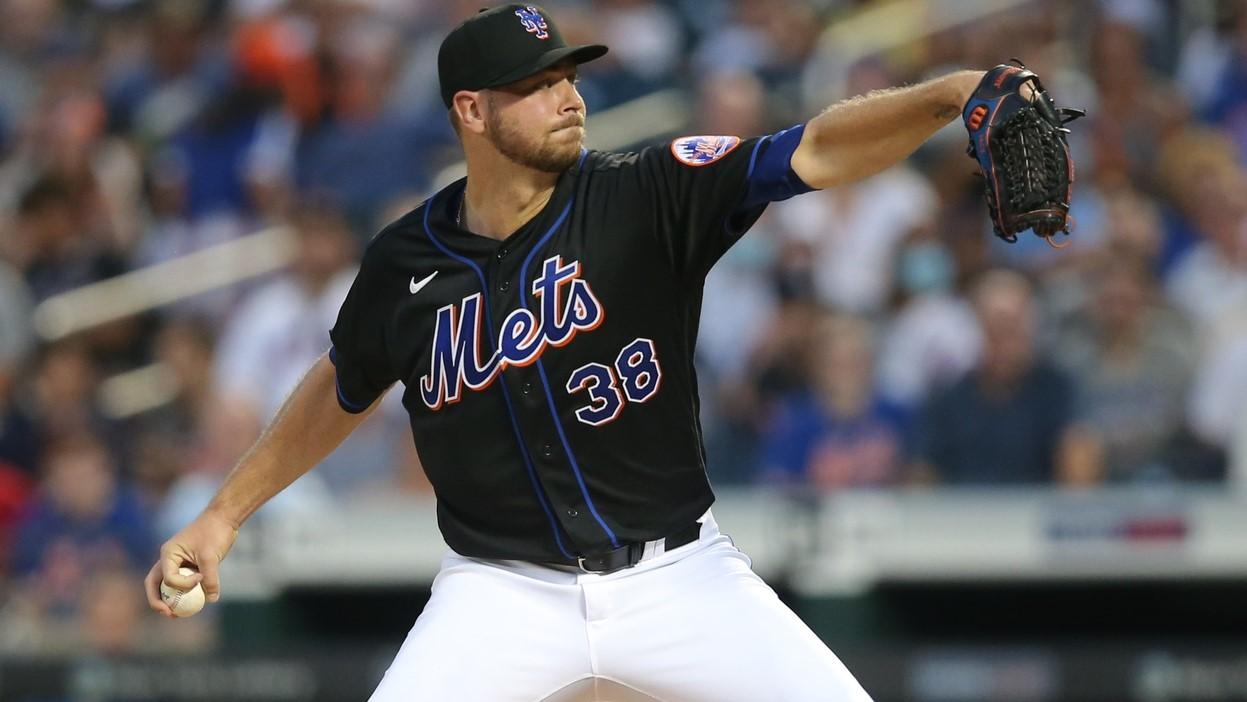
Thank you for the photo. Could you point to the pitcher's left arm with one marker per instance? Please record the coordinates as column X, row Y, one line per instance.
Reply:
column 862, row 136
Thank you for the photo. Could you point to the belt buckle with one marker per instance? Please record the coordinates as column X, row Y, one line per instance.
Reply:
column 580, row 563
column 631, row 555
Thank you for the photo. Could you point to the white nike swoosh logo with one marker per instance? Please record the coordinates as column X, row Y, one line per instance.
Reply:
column 415, row 287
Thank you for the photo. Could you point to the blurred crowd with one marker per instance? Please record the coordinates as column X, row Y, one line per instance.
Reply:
column 874, row 335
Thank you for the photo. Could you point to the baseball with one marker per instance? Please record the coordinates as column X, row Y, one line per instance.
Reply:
column 184, row 603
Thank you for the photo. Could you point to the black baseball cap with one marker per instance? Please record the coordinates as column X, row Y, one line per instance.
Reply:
column 501, row 45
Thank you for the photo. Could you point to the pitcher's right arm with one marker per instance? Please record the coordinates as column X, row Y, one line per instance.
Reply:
column 310, row 425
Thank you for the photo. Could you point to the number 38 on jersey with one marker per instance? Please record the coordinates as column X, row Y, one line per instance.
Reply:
column 635, row 375
column 565, row 306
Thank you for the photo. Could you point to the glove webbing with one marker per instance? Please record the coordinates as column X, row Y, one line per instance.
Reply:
column 1034, row 162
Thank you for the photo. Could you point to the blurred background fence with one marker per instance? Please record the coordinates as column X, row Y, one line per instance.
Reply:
column 979, row 471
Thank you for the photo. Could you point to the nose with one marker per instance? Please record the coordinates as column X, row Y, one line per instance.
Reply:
column 569, row 99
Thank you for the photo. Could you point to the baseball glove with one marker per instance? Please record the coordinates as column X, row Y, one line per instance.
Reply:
column 1019, row 143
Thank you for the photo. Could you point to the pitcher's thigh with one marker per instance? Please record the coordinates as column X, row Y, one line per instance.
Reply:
column 488, row 637
column 728, row 638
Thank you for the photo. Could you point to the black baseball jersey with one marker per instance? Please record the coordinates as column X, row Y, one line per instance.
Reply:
column 549, row 376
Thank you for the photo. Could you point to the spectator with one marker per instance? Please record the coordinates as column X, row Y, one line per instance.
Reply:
column 1132, row 366
column 18, row 445
column 171, row 232
column 1227, row 105
column 175, row 73
column 1132, row 232
column 855, row 231
column 286, row 321
column 52, row 249
column 184, row 353
column 1205, row 56
column 645, row 42
column 112, row 617
column 82, row 520
column 771, row 38
column 64, row 393
column 1136, row 110
column 1218, row 399
column 225, row 433
column 360, row 148
column 1211, row 281
column 1007, row 420
column 840, row 434
column 1133, row 228
column 283, row 327
column 1184, row 165
column 643, row 33
column 932, row 339
column 732, row 103
column 739, row 403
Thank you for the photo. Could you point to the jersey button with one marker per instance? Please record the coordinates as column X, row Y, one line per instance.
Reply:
column 502, row 253
column 504, row 286
column 527, row 388
column 572, row 512
column 547, row 450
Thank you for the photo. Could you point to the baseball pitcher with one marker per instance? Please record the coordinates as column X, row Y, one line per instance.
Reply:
column 541, row 315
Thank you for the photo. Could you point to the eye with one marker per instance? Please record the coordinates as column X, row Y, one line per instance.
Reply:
column 550, row 81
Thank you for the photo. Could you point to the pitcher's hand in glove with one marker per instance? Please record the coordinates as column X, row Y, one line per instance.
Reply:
column 1017, row 135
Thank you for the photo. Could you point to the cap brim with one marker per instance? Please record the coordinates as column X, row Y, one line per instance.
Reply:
column 580, row 54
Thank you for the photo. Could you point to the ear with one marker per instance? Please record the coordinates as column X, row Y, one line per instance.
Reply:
column 469, row 106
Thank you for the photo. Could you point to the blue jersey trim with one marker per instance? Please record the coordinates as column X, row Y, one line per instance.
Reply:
column 506, row 395
column 346, row 404
column 771, row 177
column 545, row 382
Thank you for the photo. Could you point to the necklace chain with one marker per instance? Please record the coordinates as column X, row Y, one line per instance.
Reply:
column 459, row 212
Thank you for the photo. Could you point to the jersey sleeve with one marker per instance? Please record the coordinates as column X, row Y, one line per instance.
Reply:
column 709, row 190
column 358, row 351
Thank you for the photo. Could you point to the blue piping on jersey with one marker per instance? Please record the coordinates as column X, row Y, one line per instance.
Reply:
column 506, row 395
column 770, row 177
column 545, row 383
column 347, row 405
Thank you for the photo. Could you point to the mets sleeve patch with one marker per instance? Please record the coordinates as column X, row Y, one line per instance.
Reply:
column 702, row 150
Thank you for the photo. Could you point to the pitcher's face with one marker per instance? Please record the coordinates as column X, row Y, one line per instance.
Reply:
column 538, row 122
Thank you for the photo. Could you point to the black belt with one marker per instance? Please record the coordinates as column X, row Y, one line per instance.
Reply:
column 629, row 555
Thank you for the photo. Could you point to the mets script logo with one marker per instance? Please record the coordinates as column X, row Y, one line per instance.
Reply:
column 533, row 22
column 565, row 304
column 702, row 150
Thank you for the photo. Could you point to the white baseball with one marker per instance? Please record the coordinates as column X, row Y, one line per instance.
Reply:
column 184, row 603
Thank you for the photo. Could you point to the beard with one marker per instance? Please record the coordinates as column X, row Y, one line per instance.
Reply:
column 535, row 152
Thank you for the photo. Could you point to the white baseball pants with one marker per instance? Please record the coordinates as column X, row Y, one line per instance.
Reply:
column 691, row 625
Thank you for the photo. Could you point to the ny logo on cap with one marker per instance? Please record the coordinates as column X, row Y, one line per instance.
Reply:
column 533, row 22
